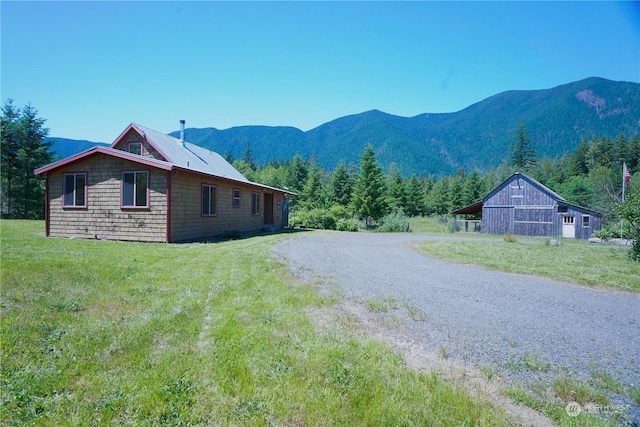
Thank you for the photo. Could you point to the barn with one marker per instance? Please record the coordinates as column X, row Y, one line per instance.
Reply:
column 520, row 205
column 151, row 187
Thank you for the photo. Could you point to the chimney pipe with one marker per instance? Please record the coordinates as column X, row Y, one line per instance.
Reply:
column 182, row 132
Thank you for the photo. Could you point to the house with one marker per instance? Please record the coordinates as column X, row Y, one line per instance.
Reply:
column 151, row 187
column 522, row 206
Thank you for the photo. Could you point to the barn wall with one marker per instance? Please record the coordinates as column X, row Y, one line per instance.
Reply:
column 497, row 220
column 187, row 223
column 583, row 232
column 521, row 207
column 103, row 217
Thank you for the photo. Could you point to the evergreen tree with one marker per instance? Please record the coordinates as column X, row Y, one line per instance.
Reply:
column 312, row 196
column 248, row 157
column 23, row 151
column 397, row 191
column 368, row 199
column 415, row 197
column 341, row 185
column 633, row 154
column 297, row 174
column 228, row 156
column 455, row 194
column 472, row 191
column 439, row 197
column 524, row 153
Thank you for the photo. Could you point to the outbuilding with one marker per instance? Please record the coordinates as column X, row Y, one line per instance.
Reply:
column 151, row 187
column 522, row 206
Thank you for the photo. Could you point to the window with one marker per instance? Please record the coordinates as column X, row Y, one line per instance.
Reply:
column 209, row 200
column 255, row 203
column 563, row 208
column 568, row 220
column 135, row 148
column 75, row 190
column 585, row 220
column 235, row 196
column 135, row 186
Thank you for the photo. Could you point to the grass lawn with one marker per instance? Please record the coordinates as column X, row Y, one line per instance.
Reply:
column 113, row 333
column 574, row 261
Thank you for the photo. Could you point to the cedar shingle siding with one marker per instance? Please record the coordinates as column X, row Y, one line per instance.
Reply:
column 103, row 217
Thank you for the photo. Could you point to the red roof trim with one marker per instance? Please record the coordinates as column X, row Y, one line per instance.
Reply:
column 106, row 151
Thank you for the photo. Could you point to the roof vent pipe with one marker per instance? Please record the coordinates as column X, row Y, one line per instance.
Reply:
column 182, row 132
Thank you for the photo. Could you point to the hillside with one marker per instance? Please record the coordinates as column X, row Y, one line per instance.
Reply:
column 64, row 147
column 475, row 137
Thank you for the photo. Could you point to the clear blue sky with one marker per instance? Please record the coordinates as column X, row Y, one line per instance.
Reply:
column 91, row 68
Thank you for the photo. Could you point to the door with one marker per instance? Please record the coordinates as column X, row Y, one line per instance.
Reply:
column 568, row 227
column 268, row 209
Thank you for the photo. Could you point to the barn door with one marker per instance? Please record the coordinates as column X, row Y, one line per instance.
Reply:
column 568, row 227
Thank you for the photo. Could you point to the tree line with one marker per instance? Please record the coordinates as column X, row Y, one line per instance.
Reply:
column 590, row 176
column 22, row 150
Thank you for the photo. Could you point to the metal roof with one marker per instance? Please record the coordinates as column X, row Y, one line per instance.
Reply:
column 189, row 156
column 177, row 154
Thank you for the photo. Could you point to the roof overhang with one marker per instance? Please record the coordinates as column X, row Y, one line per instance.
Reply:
column 106, row 151
column 473, row 208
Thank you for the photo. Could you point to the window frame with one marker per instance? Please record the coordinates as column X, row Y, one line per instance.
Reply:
column 202, row 205
column 141, row 148
column 86, row 190
column 235, row 205
column 135, row 191
column 586, row 221
column 255, row 203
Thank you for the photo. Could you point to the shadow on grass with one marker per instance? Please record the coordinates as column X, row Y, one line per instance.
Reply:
column 236, row 235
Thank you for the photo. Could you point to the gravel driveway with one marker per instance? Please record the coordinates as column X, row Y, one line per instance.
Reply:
column 527, row 328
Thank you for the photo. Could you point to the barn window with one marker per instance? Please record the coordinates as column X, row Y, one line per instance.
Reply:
column 135, row 187
column 135, row 148
column 209, row 200
column 235, row 198
column 585, row 220
column 255, row 203
column 75, row 190
column 563, row 208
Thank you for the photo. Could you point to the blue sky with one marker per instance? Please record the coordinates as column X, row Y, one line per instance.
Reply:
column 91, row 68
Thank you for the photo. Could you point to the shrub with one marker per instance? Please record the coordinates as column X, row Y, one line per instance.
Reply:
column 320, row 219
column 612, row 231
column 396, row 221
column 339, row 212
column 634, row 252
column 348, row 225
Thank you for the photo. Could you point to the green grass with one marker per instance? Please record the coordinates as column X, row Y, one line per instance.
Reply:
column 574, row 261
column 113, row 333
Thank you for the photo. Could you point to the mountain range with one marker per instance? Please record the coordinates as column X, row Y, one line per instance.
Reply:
column 477, row 137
